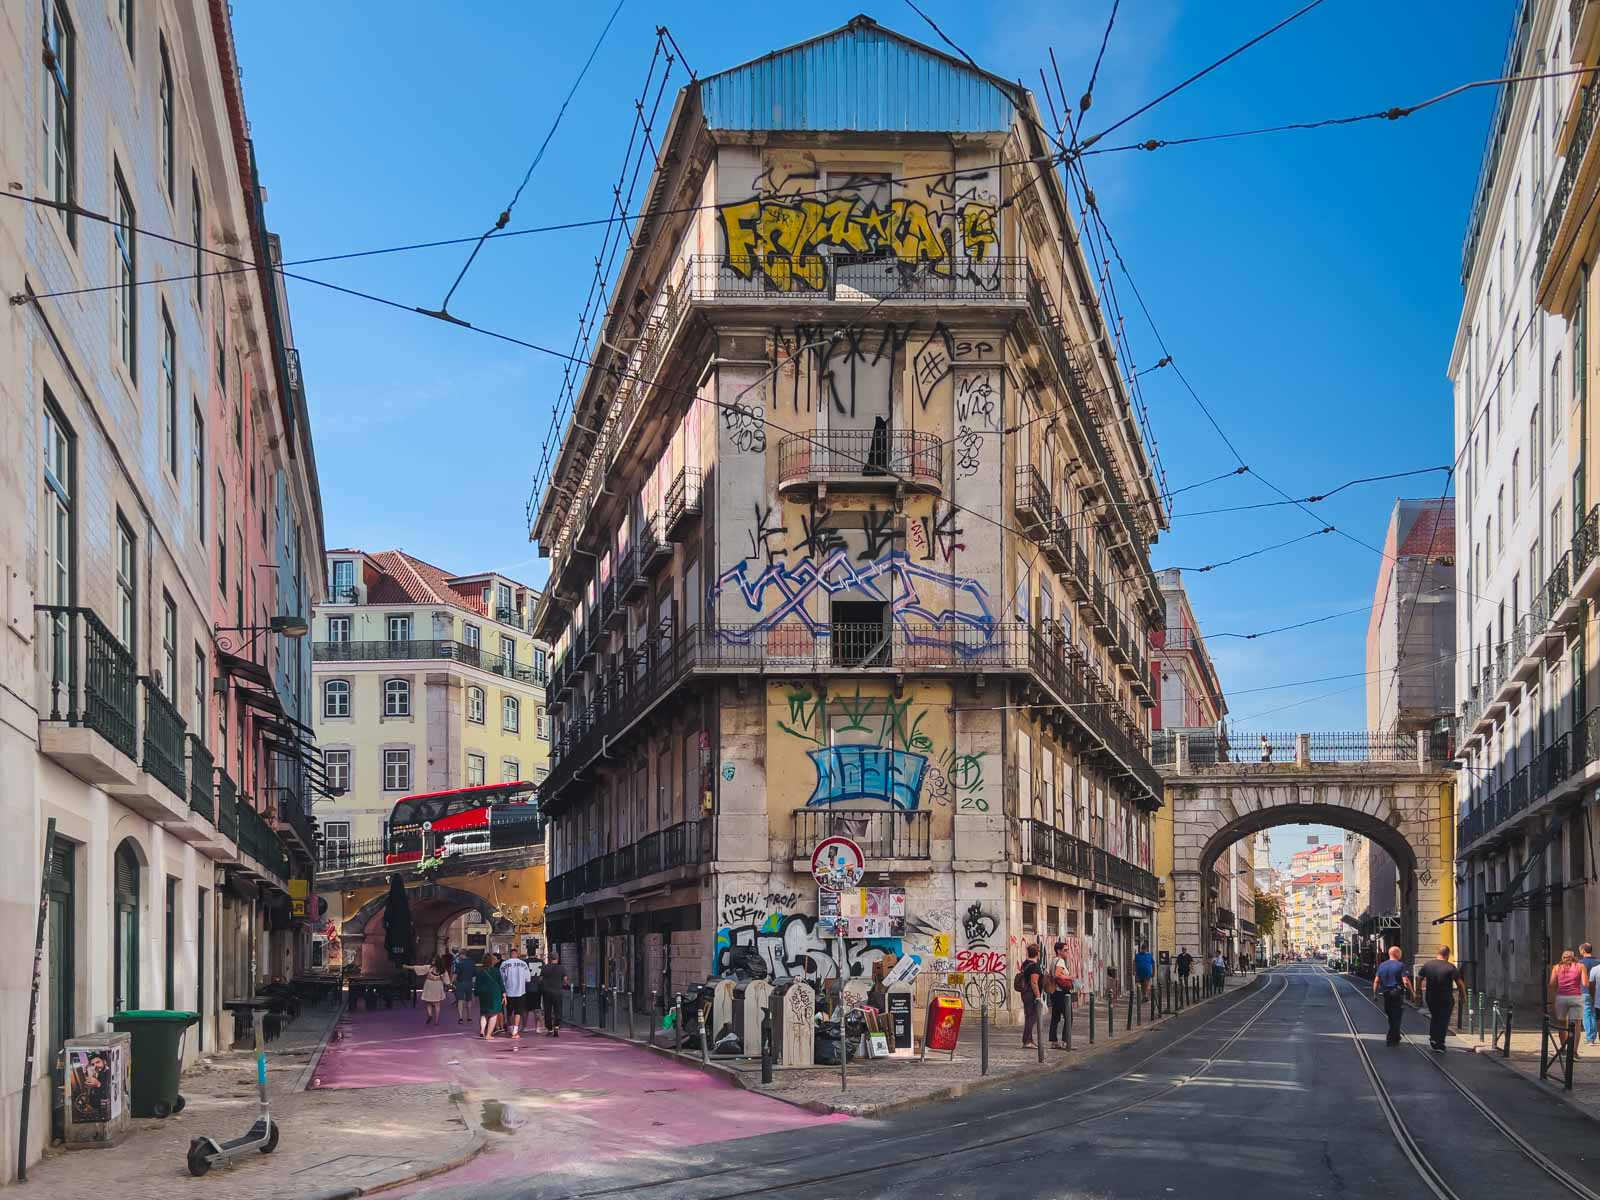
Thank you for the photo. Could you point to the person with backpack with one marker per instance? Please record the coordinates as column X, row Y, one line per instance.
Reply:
column 1058, row 986
column 1028, row 982
column 1393, row 979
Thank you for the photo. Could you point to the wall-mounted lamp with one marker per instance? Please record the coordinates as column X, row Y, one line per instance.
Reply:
column 288, row 625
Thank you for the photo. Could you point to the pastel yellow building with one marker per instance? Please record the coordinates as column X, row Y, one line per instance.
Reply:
column 424, row 681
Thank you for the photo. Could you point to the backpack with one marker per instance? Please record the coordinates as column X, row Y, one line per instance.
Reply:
column 1019, row 982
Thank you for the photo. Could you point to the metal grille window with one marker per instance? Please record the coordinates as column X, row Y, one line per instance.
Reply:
column 126, row 249
column 127, row 603
column 166, row 121
column 169, row 647
column 475, row 705
column 58, row 110
column 397, row 770
column 474, row 770
column 336, row 765
column 510, row 714
column 336, row 698
column 396, row 698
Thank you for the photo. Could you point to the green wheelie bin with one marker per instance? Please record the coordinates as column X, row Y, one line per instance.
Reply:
column 157, row 1051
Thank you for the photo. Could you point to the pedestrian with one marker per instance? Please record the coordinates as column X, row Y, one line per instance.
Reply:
column 491, row 995
column 1393, row 978
column 1589, row 962
column 433, row 989
column 1058, row 985
column 1566, row 993
column 1266, row 749
column 1219, row 970
column 465, row 972
column 552, row 980
column 1441, row 979
column 535, row 1013
column 514, row 976
column 1028, row 983
column 1144, row 970
column 1185, row 963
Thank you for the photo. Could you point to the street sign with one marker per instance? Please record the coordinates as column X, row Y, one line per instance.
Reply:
column 837, row 863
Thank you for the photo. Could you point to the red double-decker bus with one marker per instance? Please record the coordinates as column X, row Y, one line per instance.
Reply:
column 502, row 814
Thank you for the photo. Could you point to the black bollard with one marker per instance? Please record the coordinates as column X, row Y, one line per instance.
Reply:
column 766, row 1044
column 983, row 1039
column 1091, row 1020
column 1111, row 1018
column 1070, row 1006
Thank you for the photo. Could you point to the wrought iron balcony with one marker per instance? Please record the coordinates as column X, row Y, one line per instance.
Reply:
column 1585, row 542
column 1035, row 512
column 891, row 457
column 631, row 580
column 651, row 551
column 686, row 844
column 227, row 807
column 480, row 657
column 846, row 278
column 1571, row 168
column 163, row 739
column 91, row 676
column 682, row 507
column 202, row 793
column 881, row 834
column 1043, row 845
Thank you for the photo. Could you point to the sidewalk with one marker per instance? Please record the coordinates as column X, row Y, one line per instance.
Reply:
column 334, row 1143
column 880, row 1087
column 1526, row 1032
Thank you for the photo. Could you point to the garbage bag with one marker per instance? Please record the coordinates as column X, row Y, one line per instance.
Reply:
column 826, row 1046
column 728, row 1042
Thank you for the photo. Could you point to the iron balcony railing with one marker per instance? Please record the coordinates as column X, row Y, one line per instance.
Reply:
column 809, row 278
column 686, row 844
column 1043, row 845
column 1224, row 918
column 1035, row 511
column 480, row 657
column 894, row 455
column 163, row 739
column 290, row 810
column 1585, row 542
column 202, row 786
column 257, row 839
column 682, row 504
column 348, row 854
column 649, row 547
column 631, row 580
column 92, row 680
column 227, row 807
column 880, row 834
column 1571, row 167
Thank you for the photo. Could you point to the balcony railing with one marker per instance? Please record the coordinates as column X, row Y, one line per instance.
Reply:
column 880, row 834
column 227, row 807
column 480, row 657
column 1035, row 511
column 631, row 581
column 682, row 504
column 1043, row 845
column 202, row 794
column 257, row 839
column 1585, row 542
column 892, row 455
column 812, row 278
column 1571, row 167
column 163, row 739
column 92, row 678
column 686, row 844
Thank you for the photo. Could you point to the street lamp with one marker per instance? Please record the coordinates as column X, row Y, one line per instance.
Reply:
column 288, row 625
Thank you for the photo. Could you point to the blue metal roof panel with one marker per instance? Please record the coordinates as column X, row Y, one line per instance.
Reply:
column 861, row 79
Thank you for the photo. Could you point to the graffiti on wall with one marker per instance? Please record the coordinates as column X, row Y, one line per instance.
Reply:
column 846, row 773
column 739, row 907
column 789, row 945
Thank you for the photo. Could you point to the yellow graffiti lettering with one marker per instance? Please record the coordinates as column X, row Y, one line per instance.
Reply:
column 978, row 235
column 737, row 221
column 915, row 239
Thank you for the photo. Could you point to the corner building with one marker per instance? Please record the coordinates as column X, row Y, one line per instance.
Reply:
column 848, row 535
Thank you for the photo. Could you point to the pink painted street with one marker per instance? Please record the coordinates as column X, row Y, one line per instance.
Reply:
column 582, row 1097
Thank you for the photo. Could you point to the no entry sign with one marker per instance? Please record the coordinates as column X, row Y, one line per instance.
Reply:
column 837, row 863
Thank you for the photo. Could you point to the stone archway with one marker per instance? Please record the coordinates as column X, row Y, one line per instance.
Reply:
column 433, row 907
column 1406, row 809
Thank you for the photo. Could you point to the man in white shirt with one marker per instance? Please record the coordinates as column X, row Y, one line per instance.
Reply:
column 514, row 974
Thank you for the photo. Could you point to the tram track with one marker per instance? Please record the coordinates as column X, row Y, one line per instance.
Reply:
column 1128, row 1073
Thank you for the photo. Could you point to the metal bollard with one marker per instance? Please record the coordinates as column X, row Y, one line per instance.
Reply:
column 1111, row 1018
column 1071, row 1005
column 1570, row 1055
column 1544, row 1047
column 654, row 1020
column 766, row 1044
column 677, row 1025
column 629, row 995
column 1133, row 1007
column 983, row 1040
column 1038, row 1028
column 1091, row 1020
column 705, row 1034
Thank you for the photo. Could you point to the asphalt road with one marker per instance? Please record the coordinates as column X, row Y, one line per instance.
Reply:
column 1265, row 1093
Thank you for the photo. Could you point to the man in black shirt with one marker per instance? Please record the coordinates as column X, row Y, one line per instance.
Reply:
column 1185, row 962
column 1441, row 978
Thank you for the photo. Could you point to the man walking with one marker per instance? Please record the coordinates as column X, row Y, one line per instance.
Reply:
column 1219, row 970
column 514, row 974
column 1589, row 962
column 464, row 971
column 1185, row 964
column 1144, row 970
column 1030, row 980
column 1441, row 979
column 1060, row 996
column 1393, row 980
column 552, row 982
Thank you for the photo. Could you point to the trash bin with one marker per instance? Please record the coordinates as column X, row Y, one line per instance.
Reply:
column 157, row 1045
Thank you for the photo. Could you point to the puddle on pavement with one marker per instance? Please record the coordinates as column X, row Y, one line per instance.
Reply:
column 498, row 1116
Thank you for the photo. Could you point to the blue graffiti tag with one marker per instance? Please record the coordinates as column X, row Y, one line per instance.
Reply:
column 868, row 773
column 969, row 628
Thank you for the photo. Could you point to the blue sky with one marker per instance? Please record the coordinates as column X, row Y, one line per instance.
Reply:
column 1306, row 283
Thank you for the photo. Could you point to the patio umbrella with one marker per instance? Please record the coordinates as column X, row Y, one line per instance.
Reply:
column 399, row 938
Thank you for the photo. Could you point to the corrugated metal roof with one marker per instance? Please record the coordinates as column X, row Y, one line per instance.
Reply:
column 861, row 78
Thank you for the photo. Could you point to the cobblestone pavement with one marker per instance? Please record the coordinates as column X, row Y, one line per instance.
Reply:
column 333, row 1143
column 883, row 1086
column 1526, row 1033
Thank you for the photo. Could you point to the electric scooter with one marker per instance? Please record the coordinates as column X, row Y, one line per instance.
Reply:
column 205, row 1152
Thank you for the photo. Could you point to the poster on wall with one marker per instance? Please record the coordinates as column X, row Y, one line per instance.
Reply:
column 95, row 1084
column 861, row 913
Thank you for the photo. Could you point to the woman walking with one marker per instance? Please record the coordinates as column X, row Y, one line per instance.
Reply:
column 433, row 990
column 491, row 995
column 1566, row 993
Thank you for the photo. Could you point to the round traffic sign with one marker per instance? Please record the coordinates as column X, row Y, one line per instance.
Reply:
column 837, row 863
column 427, row 826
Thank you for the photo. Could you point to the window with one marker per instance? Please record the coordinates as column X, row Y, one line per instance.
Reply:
column 1555, row 399
column 344, row 581
column 127, row 282
column 1536, row 137
column 1516, row 222
column 510, row 714
column 336, row 834
column 222, row 534
column 1516, row 357
column 58, row 112
column 336, row 766
column 399, row 629
column 1555, row 528
column 538, row 663
column 397, row 770
column 1030, row 916
column 198, row 456
column 396, row 698
column 197, row 236
column 125, row 20
column 508, row 649
column 166, row 122
column 338, row 629
column 169, row 647
column 1533, row 450
column 1500, row 519
column 474, row 770
column 127, row 603
column 1516, row 480
column 201, row 683
column 510, row 771
column 502, row 601
column 58, row 554
column 336, row 698
column 473, row 634
column 539, row 773
column 542, row 723
column 475, row 705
